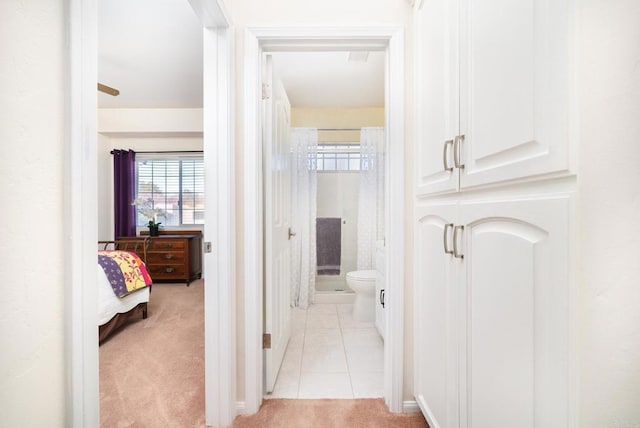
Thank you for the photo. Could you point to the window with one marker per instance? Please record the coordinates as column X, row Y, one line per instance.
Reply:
column 338, row 157
column 175, row 186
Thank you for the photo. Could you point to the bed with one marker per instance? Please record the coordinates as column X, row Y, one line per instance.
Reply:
column 114, row 311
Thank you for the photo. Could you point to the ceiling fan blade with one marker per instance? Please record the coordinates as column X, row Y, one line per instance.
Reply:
column 108, row 90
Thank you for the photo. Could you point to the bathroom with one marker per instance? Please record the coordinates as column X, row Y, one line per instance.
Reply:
column 336, row 347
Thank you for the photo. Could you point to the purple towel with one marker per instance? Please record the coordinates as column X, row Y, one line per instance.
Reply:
column 328, row 245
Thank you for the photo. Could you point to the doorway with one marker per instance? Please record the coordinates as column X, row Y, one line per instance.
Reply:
column 258, row 42
column 81, row 344
column 324, row 169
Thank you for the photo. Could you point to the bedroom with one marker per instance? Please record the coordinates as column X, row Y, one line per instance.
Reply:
column 158, row 115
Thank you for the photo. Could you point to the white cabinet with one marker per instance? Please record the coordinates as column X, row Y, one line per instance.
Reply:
column 493, row 91
column 492, row 313
column 437, row 84
column 436, row 318
column 492, row 281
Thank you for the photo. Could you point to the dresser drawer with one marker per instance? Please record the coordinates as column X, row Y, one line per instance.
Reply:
column 159, row 244
column 165, row 257
column 167, row 271
column 174, row 256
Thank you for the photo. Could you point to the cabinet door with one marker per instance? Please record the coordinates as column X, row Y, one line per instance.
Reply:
column 436, row 318
column 514, row 73
column 515, row 333
column 437, row 95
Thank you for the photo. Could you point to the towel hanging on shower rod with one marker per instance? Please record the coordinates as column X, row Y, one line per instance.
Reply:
column 328, row 245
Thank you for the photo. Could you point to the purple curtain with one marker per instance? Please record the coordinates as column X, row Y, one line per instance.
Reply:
column 124, row 176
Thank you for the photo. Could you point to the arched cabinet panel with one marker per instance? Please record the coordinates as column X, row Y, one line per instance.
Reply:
column 436, row 319
column 493, row 316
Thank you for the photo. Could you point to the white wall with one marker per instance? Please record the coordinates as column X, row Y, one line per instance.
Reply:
column 150, row 121
column 338, row 197
column 34, row 142
column 609, row 213
column 105, row 188
column 140, row 130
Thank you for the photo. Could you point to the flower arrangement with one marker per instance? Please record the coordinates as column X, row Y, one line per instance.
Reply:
column 145, row 207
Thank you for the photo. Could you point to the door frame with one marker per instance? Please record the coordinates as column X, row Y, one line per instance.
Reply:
column 282, row 39
column 218, row 264
column 82, row 403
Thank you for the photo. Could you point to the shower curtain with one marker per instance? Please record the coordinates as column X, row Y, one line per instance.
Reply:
column 304, row 148
column 371, row 197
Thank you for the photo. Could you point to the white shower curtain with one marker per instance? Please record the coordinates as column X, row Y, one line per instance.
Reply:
column 304, row 148
column 371, row 197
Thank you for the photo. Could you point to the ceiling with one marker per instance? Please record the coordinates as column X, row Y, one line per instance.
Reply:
column 151, row 51
column 329, row 79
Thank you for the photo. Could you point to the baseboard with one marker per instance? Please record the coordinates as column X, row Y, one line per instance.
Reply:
column 410, row 406
column 241, row 407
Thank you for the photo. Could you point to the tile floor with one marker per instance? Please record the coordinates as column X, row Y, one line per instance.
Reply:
column 331, row 356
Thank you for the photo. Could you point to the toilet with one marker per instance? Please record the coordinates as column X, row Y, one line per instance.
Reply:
column 363, row 283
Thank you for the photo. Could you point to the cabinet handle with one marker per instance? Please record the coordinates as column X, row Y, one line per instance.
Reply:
column 445, row 158
column 168, row 256
column 456, row 151
column 169, row 270
column 382, row 297
column 291, row 233
column 445, row 235
column 456, row 254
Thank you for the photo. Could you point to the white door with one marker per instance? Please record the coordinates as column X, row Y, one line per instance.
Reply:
column 380, row 321
column 277, row 203
column 516, row 330
column 514, row 77
column 436, row 313
column 438, row 83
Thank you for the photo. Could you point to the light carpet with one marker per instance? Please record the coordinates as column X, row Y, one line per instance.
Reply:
column 361, row 413
column 152, row 371
column 152, row 375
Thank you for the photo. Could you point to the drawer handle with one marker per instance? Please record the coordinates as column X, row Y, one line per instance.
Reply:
column 456, row 254
column 169, row 269
column 168, row 256
column 457, row 143
column 445, row 237
column 445, row 161
column 168, row 245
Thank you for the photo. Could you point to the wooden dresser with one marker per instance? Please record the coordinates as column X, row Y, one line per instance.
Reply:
column 174, row 256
